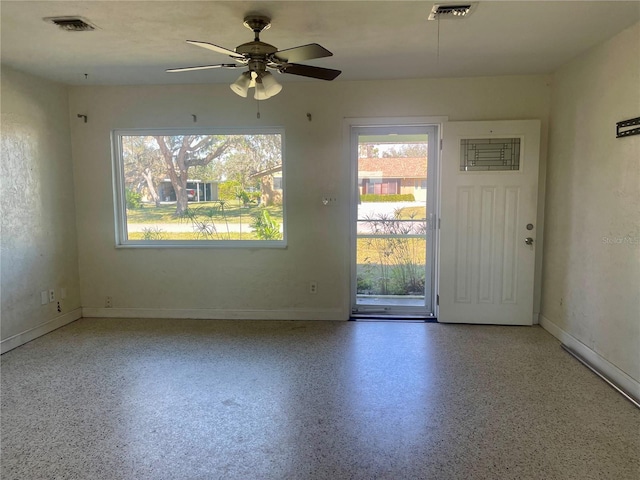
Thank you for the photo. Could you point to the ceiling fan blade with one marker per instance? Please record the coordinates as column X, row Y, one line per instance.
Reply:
column 205, row 67
column 302, row 53
column 309, row 71
column 215, row 48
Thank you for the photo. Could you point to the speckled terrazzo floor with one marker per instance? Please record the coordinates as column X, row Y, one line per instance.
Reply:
column 182, row 399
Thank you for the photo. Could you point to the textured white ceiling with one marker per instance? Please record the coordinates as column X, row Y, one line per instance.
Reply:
column 137, row 40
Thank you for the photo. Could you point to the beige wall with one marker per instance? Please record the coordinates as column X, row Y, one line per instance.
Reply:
column 591, row 268
column 38, row 212
column 263, row 283
column 591, row 274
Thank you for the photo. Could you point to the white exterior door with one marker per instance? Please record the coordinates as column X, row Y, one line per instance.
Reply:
column 488, row 214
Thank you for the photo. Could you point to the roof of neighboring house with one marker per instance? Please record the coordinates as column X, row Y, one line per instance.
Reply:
column 392, row 167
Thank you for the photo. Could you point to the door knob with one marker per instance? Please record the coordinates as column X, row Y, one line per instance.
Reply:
column 528, row 241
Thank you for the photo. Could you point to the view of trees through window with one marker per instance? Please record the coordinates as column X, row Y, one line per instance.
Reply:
column 202, row 186
column 392, row 150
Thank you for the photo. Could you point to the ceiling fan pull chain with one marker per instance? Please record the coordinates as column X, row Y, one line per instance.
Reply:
column 258, row 108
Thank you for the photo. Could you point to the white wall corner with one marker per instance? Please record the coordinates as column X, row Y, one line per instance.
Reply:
column 599, row 363
column 42, row 329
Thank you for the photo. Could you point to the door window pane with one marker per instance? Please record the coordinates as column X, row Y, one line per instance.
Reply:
column 489, row 154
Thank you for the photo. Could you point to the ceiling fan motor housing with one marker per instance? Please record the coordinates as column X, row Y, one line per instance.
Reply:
column 256, row 48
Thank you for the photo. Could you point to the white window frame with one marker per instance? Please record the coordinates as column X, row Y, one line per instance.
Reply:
column 120, row 212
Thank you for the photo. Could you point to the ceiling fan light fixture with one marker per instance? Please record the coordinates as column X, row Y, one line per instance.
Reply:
column 271, row 86
column 261, row 92
column 242, row 84
column 266, row 86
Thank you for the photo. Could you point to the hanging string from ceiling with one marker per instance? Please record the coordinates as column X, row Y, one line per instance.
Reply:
column 438, row 44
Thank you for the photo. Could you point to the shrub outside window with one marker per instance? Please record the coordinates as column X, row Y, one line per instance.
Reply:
column 194, row 188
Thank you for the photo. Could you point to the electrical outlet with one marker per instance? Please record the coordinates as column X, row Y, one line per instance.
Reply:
column 52, row 295
column 313, row 288
column 44, row 297
column 108, row 302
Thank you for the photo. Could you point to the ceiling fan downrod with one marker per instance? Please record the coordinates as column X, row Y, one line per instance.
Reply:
column 257, row 23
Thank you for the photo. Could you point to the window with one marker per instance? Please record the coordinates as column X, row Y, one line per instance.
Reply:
column 381, row 186
column 489, row 154
column 199, row 188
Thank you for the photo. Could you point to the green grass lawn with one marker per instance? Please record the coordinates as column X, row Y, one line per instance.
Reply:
column 194, row 236
column 373, row 250
column 416, row 213
column 233, row 212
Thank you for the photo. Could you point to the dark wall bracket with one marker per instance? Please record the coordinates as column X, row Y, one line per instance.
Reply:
column 623, row 130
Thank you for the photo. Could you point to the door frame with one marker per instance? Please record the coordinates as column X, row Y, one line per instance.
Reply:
column 348, row 138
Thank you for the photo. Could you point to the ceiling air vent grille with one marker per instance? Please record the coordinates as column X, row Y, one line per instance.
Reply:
column 71, row 24
column 454, row 11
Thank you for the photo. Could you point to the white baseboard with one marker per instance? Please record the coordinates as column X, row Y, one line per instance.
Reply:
column 35, row 332
column 216, row 314
column 595, row 360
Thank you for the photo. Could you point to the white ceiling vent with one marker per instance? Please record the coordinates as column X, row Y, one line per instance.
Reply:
column 452, row 11
column 71, row 24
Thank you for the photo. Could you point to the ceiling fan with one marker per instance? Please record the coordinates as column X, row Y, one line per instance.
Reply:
column 261, row 57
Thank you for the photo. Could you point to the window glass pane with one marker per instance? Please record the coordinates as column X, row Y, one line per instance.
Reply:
column 489, row 154
column 205, row 188
column 391, row 228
